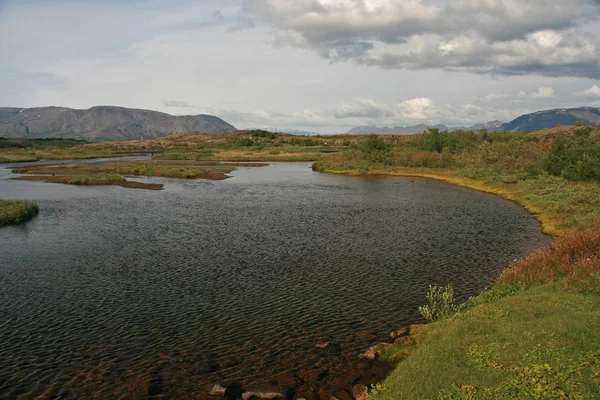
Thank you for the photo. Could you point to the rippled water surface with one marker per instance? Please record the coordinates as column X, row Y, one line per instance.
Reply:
column 114, row 292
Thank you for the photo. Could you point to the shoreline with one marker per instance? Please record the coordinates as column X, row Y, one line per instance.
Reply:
column 548, row 226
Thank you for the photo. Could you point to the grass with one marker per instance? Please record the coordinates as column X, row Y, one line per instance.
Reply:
column 132, row 168
column 89, row 179
column 13, row 212
column 540, row 344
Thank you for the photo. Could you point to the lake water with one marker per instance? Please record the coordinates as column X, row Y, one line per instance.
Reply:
column 112, row 292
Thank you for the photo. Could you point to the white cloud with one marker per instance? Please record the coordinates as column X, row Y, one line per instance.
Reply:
column 591, row 93
column 507, row 37
column 167, row 57
column 543, row 93
column 419, row 108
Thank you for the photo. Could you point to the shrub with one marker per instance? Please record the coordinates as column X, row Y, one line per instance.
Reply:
column 260, row 133
column 304, row 142
column 441, row 303
column 575, row 158
column 245, row 142
column 375, row 149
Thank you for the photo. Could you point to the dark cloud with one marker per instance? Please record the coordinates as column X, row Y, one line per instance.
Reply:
column 505, row 37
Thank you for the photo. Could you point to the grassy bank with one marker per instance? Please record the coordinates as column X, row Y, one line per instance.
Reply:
column 533, row 334
column 13, row 212
column 92, row 180
column 132, row 168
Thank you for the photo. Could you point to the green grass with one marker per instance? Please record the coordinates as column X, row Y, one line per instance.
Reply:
column 13, row 212
column 542, row 343
column 91, row 179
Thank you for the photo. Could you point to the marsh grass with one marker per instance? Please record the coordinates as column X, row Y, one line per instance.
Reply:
column 133, row 169
column 14, row 212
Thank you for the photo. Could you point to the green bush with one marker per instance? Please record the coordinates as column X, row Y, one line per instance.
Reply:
column 304, row 142
column 375, row 149
column 259, row 133
column 245, row 142
column 575, row 158
column 441, row 303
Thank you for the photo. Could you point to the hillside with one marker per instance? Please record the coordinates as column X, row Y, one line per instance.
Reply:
column 550, row 118
column 536, row 121
column 102, row 123
column 412, row 129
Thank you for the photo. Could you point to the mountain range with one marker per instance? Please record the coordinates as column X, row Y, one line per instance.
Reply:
column 102, row 123
column 525, row 123
column 109, row 123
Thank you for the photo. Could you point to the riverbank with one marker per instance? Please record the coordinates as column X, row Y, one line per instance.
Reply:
column 533, row 333
column 14, row 212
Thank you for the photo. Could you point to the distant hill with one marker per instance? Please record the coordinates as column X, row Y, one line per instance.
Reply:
column 550, row 118
column 525, row 123
column 102, row 123
column 289, row 131
column 409, row 130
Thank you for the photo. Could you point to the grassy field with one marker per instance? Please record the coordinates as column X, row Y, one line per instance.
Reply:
column 27, row 150
column 13, row 212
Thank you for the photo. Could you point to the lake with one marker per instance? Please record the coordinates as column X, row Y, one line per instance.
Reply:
column 112, row 292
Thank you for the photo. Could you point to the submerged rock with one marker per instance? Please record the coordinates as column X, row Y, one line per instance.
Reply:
column 375, row 351
column 360, row 392
column 217, row 390
column 399, row 333
column 262, row 395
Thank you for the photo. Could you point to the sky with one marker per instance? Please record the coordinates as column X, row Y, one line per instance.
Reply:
column 313, row 65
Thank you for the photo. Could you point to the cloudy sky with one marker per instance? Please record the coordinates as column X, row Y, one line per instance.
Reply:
column 316, row 65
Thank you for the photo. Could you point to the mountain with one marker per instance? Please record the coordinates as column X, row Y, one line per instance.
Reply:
column 289, row 131
column 408, row 130
column 102, row 123
column 525, row 123
column 550, row 118
column 491, row 126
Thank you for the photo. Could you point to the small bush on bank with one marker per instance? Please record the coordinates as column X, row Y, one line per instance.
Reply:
column 375, row 149
column 441, row 303
column 575, row 158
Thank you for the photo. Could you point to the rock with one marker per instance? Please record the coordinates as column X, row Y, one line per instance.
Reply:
column 368, row 355
column 322, row 345
column 381, row 348
column 399, row 333
column 266, row 393
column 217, row 390
column 262, row 395
column 401, row 341
column 360, row 392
